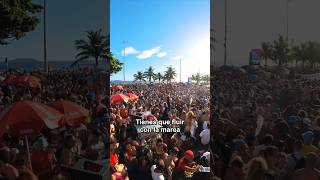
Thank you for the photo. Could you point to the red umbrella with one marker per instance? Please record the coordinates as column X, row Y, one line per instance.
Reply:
column 117, row 87
column 119, row 98
column 74, row 114
column 28, row 118
column 29, row 81
column 10, row 80
column 132, row 97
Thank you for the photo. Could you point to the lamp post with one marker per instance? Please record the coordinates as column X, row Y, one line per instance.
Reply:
column 45, row 37
column 287, row 19
column 124, row 60
column 180, row 70
column 225, row 31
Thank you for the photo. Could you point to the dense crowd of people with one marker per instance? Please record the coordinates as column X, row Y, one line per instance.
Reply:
column 265, row 125
column 175, row 155
column 54, row 148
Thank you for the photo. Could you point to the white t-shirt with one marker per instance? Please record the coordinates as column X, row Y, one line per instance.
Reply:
column 205, row 136
column 155, row 175
column 193, row 128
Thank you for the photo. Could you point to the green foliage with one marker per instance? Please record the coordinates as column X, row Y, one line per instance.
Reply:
column 159, row 77
column 196, row 78
column 17, row 17
column 170, row 74
column 96, row 45
column 149, row 73
column 139, row 76
column 115, row 64
column 267, row 49
column 280, row 51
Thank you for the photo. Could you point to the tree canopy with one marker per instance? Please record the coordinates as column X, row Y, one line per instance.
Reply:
column 17, row 17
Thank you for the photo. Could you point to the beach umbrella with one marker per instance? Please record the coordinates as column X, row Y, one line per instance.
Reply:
column 25, row 118
column 29, row 81
column 117, row 87
column 73, row 114
column 132, row 97
column 28, row 118
column 9, row 80
column 119, row 98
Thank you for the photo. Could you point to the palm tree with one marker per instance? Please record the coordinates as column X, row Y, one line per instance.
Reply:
column 280, row 52
column 158, row 77
column 196, row 78
column 266, row 48
column 312, row 53
column 170, row 74
column 96, row 45
column 206, row 78
column 139, row 76
column 300, row 53
column 149, row 73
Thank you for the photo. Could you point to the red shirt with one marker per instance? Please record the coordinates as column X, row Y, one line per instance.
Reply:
column 41, row 160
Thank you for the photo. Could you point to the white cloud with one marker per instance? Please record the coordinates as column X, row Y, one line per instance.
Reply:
column 161, row 54
column 177, row 57
column 130, row 50
column 148, row 53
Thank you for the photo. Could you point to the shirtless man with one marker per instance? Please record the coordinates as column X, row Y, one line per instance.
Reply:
column 309, row 172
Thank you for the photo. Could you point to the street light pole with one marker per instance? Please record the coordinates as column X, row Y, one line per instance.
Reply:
column 124, row 61
column 225, row 31
column 45, row 37
column 287, row 19
column 180, row 70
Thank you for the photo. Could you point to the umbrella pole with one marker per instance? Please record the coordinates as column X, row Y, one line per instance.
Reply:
column 28, row 151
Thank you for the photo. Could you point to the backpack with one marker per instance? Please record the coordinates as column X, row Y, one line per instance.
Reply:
column 300, row 163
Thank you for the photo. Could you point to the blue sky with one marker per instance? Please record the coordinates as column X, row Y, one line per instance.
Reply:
column 67, row 21
column 160, row 32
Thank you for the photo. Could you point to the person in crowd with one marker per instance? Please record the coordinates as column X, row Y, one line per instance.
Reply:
column 235, row 170
column 272, row 117
column 310, row 171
